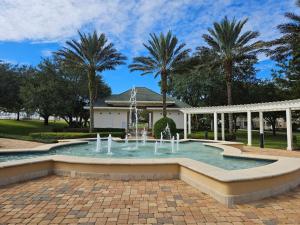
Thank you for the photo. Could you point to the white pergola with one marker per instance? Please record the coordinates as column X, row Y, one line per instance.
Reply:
column 287, row 106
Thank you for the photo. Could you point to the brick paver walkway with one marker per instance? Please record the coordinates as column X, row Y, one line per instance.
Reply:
column 59, row 200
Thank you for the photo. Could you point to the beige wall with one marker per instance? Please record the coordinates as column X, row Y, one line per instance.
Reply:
column 176, row 115
column 115, row 118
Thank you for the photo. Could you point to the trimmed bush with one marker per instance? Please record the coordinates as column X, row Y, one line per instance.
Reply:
column 161, row 124
column 70, row 135
column 86, row 130
column 230, row 137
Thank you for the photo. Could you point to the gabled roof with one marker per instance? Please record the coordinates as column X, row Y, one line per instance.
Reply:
column 144, row 96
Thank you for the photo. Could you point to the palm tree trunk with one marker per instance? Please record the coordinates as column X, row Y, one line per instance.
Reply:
column 228, row 69
column 164, row 92
column 91, row 75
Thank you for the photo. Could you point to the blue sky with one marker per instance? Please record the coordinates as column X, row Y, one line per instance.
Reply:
column 32, row 29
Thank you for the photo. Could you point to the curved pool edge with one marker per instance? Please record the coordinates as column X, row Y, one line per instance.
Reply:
column 228, row 187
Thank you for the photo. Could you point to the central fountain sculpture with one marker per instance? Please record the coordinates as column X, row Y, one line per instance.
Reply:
column 133, row 110
column 167, row 133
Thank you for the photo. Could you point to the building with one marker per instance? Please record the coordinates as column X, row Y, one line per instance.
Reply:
column 114, row 111
column 241, row 123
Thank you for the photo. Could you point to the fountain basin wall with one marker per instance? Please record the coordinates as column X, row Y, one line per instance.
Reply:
column 228, row 187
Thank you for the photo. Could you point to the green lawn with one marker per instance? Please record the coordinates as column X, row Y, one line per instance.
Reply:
column 34, row 130
column 278, row 141
column 21, row 129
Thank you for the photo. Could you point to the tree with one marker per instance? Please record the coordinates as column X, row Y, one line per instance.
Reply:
column 286, row 52
column 164, row 54
column 232, row 47
column 93, row 54
column 288, row 45
column 76, row 88
column 11, row 79
column 201, row 84
column 42, row 91
column 9, row 88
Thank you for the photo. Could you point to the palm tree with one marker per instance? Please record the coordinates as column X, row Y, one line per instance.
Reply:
column 232, row 47
column 289, row 43
column 164, row 54
column 93, row 54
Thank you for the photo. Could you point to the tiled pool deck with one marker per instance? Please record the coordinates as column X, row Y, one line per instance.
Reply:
column 59, row 200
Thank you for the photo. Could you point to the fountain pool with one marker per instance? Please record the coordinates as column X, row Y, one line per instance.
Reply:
column 120, row 149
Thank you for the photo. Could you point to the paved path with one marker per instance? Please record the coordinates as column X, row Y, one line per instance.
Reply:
column 63, row 200
column 271, row 151
column 7, row 143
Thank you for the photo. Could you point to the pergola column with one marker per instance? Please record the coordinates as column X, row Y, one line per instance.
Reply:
column 215, row 126
column 223, row 126
column 261, row 130
column 249, row 128
column 184, row 126
column 189, row 124
column 289, row 132
column 150, row 120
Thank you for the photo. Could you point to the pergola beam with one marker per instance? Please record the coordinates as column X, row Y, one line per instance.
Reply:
column 287, row 106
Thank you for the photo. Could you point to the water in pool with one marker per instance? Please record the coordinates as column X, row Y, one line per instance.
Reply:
column 193, row 150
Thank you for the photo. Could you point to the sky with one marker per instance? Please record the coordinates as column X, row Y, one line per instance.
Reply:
column 33, row 29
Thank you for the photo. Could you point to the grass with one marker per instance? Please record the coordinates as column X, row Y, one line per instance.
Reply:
column 35, row 130
column 278, row 141
column 22, row 129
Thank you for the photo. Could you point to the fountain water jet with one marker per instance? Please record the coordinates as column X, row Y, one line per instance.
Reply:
column 126, row 139
column 167, row 132
column 144, row 136
column 133, row 109
column 98, row 147
column 177, row 142
column 172, row 144
column 161, row 138
column 155, row 147
column 109, row 145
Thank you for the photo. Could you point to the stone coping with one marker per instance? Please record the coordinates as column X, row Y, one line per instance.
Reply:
column 283, row 165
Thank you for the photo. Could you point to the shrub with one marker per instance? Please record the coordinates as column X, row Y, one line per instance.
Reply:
column 230, row 137
column 161, row 124
column 70, row 135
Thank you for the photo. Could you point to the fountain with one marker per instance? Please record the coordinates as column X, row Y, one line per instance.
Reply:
column 161, row 138
column 144, row 136
column 172, row 144
column 109, row 145
column 133, row 125
column 177, row 142
column 126, row 139
column 167, row 132
column 98, row 147
column 155, row 148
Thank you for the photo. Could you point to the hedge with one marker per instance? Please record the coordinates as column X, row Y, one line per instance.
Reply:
column 70, row 135
column 161, row 124
column 86, row 129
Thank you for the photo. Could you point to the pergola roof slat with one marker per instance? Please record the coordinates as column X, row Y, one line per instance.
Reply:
column 256, row 107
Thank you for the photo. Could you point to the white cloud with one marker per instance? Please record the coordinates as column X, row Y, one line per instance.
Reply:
column 129, row 22
column 47, row 53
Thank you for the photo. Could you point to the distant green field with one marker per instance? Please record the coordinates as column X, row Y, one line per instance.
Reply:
column 278, row 141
